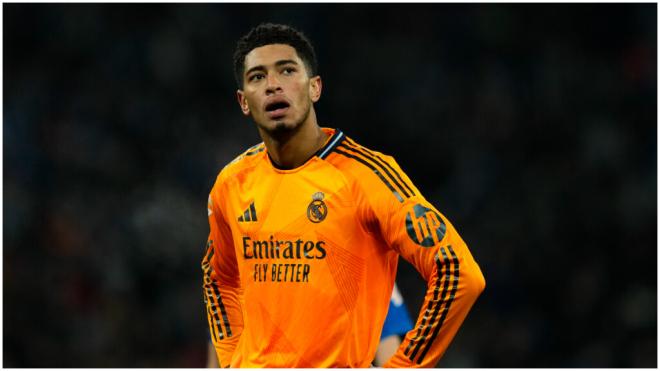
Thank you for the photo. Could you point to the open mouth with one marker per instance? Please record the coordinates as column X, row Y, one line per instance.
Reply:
column 276, row 106
column 277, row 109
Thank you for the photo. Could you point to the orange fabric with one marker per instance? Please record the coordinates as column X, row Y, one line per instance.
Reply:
column 300, row 263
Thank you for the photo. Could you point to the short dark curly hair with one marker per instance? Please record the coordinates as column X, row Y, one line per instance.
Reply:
column 270, row 33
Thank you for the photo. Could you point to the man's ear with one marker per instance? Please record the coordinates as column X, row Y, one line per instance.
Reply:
column 242, row 101
column 315, row 87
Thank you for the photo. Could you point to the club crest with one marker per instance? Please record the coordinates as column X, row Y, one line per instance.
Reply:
column 317, row 209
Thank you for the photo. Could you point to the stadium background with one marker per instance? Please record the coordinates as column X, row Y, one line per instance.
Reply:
column 532, row 127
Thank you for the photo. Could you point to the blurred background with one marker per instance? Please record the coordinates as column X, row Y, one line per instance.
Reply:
column 532, row 127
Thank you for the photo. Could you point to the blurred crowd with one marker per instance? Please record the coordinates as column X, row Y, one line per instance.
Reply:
column 532, row 127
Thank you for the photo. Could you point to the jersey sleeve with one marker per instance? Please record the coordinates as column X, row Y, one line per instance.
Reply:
column 222, row 290
column 424, row 237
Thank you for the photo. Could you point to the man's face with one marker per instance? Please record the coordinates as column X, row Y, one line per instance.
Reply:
column 277, row 92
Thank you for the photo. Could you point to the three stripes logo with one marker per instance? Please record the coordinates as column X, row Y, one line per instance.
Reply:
column 249, row 215
column 424, row 226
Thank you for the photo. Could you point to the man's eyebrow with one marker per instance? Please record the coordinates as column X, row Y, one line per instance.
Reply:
column 285, row 61
column 278, row 63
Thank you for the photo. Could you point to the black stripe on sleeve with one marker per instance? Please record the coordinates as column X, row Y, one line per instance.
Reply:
column 213, row 310
column 435, row 302
column 213, row 325
column 438, row 305
column 396, row 194
column 215, row 294
column 354, row 144
column 444, row 313
column 209, row 317
column 375, row 162
column 208, row 292
column 223, row 311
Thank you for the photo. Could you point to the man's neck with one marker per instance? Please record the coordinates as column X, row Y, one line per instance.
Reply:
column 293, row 149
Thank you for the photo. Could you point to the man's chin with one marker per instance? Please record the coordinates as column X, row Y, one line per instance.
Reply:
column 279, row 128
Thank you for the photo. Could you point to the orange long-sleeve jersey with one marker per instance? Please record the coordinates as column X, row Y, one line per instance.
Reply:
column 300, row 263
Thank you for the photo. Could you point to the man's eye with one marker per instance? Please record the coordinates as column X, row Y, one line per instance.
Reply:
column 289, row 70
column 256, row 76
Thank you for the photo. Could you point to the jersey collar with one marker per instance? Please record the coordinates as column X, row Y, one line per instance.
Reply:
column 336, row 138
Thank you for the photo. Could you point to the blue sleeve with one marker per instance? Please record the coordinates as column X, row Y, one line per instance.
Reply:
column 398, row 320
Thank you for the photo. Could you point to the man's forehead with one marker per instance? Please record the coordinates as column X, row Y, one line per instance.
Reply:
column 269, row 54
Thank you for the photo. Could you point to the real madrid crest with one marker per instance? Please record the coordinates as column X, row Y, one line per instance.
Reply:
column 317, row 209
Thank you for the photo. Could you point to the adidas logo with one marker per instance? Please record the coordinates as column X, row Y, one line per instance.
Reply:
column 249, row 215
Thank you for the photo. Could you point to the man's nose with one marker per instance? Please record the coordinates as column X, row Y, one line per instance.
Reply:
column 272, row 83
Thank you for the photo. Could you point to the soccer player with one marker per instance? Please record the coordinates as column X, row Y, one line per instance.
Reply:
column 306, row 230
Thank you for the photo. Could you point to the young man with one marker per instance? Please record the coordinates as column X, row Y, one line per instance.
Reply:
column 307, row 227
